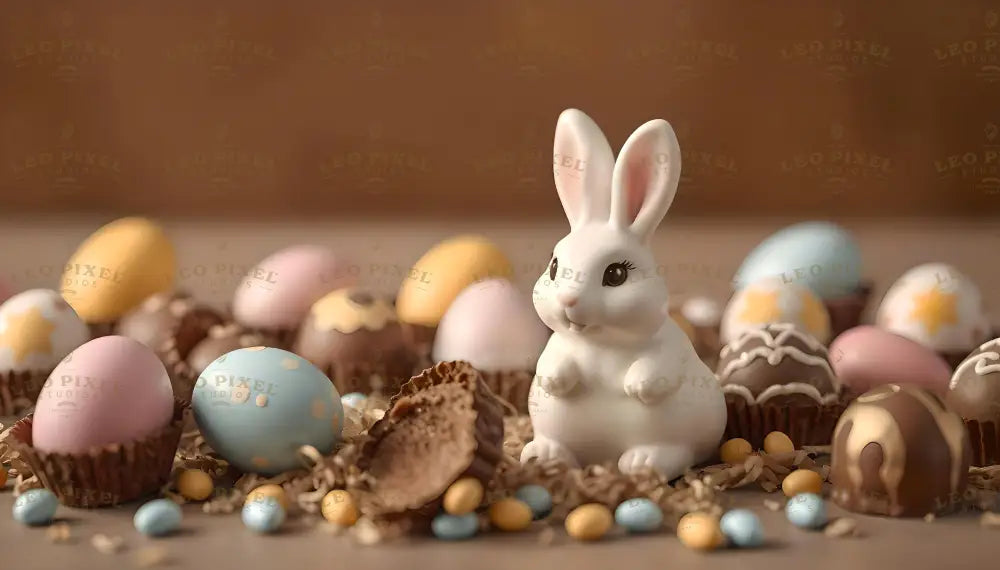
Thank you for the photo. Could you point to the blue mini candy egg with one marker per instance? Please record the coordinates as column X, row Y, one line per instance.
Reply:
column 742, row 528
column 35, row 507
column 818, row 255
column 263, row 515
column 257, row 406
column 353, row 400
column 157, row 518
column 538, row 499
column 639, row 515
column 806, row 510
column 455, row 527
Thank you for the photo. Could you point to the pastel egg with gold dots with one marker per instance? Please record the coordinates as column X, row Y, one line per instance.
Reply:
column 37, row 330
column 258, row 406
column 774, row 300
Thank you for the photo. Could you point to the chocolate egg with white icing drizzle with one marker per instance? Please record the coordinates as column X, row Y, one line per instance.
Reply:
column 899, row 451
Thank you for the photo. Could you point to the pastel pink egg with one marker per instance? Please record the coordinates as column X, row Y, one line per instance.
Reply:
column 110, row 390
column 278, row 292
column 865, row 357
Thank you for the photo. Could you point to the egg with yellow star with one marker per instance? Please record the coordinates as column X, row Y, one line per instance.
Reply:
column 937, row 306
column 38, row 329
column 773, row 300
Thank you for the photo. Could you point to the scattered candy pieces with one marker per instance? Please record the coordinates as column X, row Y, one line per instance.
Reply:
column 455, row 527
column 151, row 556
column 35, row 507
column 463, row 496
column 536, row 497
column 841, row 528
column 263, row 515
column 772, row 505
column 510, row 515
column 338, row 507
column 802, row 481
column 195, row 484
column 158, row 517
column 776, row 443
column 735, row 451
column 589, row 522
column 639, row 515
column 270, row 490
column 107, row 544
column 742, row 528
column 58, row 533
column 700, row 531
column 806, row 510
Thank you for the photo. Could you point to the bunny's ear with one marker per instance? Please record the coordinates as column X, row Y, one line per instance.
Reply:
column 582, row 161
column 645, row 178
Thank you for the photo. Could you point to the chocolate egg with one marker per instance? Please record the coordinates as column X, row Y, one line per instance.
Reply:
column 866, row 357
column 974, row 394
column 277, row 293
column 774, row 300
column 37, row 330
column 110, row 390
column 118, row 267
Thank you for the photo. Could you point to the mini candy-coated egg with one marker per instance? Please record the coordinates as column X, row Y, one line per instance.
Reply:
column 264, row 515
column 463, row 496
column 338, row 508
column 158, row 517
column 353, row 400
column 455, row 527
column 802, row 481
column 639, row 515
column 742, row 527
column 510, row 515
column 735, row 451
column 276, row 492
column 776, row 443
column 806, row 510
column 536, row 497
column 699, row 531
column 35, row 507
column 589, row 522
column 195, row 484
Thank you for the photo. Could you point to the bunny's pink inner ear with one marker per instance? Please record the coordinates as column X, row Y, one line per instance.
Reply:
column 638, row 175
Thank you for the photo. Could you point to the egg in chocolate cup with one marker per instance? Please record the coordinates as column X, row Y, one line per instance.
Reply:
column 106, row 425
column 37, row 329
column 354, row 337
column 899, row 451
column 779, row 378
column 974, row 394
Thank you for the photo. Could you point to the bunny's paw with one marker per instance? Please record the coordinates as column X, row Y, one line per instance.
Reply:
column 545, row 449
column 670, row 460
column 643, row 383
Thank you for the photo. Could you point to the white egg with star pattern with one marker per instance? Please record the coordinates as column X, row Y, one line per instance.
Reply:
column 38, row 329
column 774, row 300
column 258, row 406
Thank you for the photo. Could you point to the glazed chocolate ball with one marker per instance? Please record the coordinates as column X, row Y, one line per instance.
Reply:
column 169, row 322
column 898, row 451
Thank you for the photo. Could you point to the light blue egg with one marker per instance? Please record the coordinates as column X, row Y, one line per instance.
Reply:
column 818, row 255
column 35, row 507
column 264, row 515
column 538, row 499
column 806, row 510
column 742, row 528
column 158, row 517
column 639, row 515
column 455, row 527
column 353, row 400
column 258, row 406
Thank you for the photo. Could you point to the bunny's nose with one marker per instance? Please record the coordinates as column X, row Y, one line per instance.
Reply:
column 567, row 299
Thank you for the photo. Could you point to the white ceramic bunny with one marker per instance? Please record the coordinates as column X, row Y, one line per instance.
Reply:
column 618, row 379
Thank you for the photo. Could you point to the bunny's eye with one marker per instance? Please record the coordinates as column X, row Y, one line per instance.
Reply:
column 553, row 268
column 617, row 273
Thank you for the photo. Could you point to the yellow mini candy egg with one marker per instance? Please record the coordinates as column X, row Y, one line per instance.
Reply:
column 776, row 443
column 510, row 515
column 463, row 496
column 589, row 522
column 699, row 531
column 195, row 484
column 338, row 508
column 802, row 481
column 269, row 490
column 735, row 451
column 117, row 268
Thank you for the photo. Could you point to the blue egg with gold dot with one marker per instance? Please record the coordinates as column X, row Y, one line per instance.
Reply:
column 258, row 406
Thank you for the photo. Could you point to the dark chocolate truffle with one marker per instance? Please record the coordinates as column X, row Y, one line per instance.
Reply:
column 974, row 394
column 898, row 451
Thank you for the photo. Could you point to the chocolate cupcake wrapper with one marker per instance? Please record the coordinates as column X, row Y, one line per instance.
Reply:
column 804, row 424
column 107, row 475
column 512, row 387
column 19, row 390
column 985, row 439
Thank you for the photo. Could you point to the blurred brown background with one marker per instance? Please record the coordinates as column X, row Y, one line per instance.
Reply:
column 260, row 109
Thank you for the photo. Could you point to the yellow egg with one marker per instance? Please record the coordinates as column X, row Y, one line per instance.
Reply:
column 735, row 451
column 463, row 496
column 589, row 522
column 269, row 490
column 116, row 268
column 802, row 481
column 776, row 443
column 443, row 272
column 699, row 531
column 338, row 508
column 510, row 515
column 195, row 484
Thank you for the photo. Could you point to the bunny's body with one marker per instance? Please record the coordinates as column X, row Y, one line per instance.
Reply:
column 618, row 379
